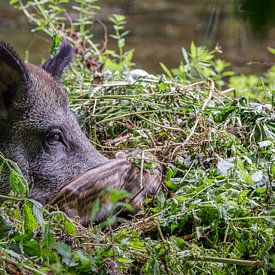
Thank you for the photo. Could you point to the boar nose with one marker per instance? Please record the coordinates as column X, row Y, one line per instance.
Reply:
column 94, row 158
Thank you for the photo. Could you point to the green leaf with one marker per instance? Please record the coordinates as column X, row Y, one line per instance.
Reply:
column 185, row 55
column 272, row 50
column 30, row 222
column 70, row 227
column 86, row 263
column 117, row 195
column 56, row 41
column 13, row 2
column 17, row 184
column 32, row 248
column 193, row 50
column 37, row 211
column 48, row 238
column 166, row 70
column 5, row 226
column 124, row 260
column 273, row 169
column 65, row 252
column 243, row 195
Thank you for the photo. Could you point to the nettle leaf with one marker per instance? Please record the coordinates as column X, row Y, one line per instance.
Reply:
column 153, row 267
column 65, row 252
column 223, row 166
column 124, row 260
column 170, row 173
column 32, row 247
column 245, row 176
column 222, row 115
column 70, row 227
column 273, row 170
column 17, row 184
column 30, row 221
column 136, row 244
column 117, row 195
column 85, row 260
column 38, row 213
column 5, row 226
column 48, row 238
column 243, row 195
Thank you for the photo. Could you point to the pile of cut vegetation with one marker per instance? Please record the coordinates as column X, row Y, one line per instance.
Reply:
column 216, row 213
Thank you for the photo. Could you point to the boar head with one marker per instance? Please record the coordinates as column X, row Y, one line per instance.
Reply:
column 38, row 130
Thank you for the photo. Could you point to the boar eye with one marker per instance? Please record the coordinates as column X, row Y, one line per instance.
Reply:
column 53, row 137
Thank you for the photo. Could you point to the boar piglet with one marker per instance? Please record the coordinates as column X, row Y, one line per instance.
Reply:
column 39, row 131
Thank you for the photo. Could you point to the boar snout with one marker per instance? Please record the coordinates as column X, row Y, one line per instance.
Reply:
column 77, row 197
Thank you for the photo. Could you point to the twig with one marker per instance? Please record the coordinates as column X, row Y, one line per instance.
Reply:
column 223, row 260
column 226, row 233
column 105, row 41
column 160, row 233
column 212, row 88
column 112, row 240
column 160, row 125
column 252, row 218
column 141, row 170
column 10, row 198
column 20, row 266
column 127, row 83
column 228, row 91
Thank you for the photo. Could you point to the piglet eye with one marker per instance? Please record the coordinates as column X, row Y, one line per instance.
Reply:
column 53, row 137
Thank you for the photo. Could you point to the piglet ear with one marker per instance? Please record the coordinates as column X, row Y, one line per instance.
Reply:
column 57, row 64
column 13, row 79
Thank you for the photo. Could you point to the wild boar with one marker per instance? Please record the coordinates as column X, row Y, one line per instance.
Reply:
column 38, row 130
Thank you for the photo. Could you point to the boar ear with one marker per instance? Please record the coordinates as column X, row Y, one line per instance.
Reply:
column 57, row 64
column 13, row 76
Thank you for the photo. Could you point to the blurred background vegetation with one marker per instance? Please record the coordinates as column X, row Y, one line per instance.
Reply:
column 160, row 28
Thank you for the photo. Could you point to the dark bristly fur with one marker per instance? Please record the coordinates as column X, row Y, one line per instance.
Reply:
column 8, row 55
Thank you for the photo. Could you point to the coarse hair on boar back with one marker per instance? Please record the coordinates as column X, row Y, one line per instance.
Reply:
column 38, row 130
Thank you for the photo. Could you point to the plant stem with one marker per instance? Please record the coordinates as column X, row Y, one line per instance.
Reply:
column 224, row 260
column 252, row 218
column 20, row 266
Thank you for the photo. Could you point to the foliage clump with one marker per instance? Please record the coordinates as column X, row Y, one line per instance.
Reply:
column 216, row 211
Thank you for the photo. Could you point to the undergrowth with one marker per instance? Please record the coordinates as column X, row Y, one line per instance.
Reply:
column 215, row 214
